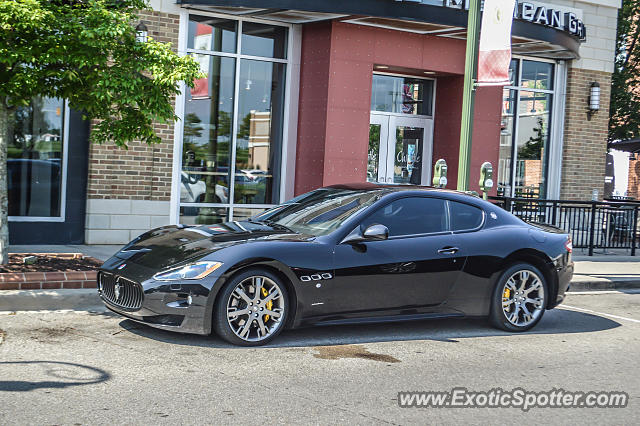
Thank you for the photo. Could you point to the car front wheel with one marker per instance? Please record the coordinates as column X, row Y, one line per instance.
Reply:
column 252, row 308
column 519, row 299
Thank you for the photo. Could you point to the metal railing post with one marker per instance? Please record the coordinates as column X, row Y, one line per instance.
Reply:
column 592, row 228
column 554, row 213
column 635, row 230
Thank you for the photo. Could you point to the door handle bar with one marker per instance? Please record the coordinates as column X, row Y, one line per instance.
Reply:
column 448, row 250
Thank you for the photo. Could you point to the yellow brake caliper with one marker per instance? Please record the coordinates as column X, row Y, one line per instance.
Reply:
column 506, row 295
column 269, row 304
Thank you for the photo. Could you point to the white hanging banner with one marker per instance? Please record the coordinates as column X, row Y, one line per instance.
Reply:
column 494, row 53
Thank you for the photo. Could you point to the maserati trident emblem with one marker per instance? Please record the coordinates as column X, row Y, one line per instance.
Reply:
column 116, row 290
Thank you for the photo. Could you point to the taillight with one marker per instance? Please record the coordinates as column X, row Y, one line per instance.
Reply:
column 569, row 245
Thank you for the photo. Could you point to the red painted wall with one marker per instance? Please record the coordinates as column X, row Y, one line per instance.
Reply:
column 446, row 126
column 312, row 112
column 486, row 134
column 335, row 96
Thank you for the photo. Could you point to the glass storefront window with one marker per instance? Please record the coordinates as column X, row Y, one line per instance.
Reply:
column 34, row 159
column 243, row 213
column 208, row 117
column 233, row 134
column 264, row 40
column 203, row 215
column 537, row 75
column 533, row 134
column 402, row 95
column 374, row 152
column 214, row 34
column 259, row 137
column 525, row 130
column 506, row 141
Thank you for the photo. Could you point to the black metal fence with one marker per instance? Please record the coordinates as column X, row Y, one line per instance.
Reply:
column 591, row 224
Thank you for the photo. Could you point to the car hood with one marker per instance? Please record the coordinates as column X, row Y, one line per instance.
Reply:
column 173, row 245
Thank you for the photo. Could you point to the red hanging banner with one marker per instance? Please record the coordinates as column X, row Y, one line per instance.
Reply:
column 495, row 43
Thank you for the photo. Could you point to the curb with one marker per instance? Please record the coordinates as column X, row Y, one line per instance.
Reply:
column 595, row 285
column 50, row 300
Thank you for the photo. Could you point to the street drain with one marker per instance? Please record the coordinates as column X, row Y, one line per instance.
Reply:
column 351, row 351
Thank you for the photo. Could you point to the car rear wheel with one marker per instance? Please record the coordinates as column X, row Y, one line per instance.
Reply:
column 252, row 308
column 519, row 299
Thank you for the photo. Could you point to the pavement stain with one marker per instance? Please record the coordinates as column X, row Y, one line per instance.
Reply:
column 50, row 334
column 351, row 351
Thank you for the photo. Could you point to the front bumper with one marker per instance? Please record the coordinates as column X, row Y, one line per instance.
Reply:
column 183, row 318
column 164, row 305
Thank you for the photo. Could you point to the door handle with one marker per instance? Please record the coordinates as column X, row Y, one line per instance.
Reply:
column 448, row 250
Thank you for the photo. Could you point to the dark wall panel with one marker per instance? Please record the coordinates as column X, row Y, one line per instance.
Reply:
column 71, row 231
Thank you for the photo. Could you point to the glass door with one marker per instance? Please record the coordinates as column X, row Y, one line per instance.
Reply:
column 377, row 153
column 399, row 149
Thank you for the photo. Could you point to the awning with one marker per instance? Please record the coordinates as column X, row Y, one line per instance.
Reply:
column 418, row 16
column 629, row 145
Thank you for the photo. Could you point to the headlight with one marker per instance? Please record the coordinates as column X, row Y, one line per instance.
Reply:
column 192, row 271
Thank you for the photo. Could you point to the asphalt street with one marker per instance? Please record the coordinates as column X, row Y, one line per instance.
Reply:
column 97, row 368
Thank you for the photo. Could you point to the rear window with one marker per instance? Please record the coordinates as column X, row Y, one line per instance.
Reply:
column 465, row 217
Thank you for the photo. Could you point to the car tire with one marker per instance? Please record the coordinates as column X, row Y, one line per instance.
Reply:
column 234, row 309
column 519, row 298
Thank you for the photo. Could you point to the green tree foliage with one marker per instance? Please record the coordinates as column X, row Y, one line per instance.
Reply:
column 625, row 91
column 86, row 51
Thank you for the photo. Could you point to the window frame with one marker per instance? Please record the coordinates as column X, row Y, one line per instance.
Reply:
column 465, row 231
column 63, row 177
column 447, row 231
column 238, row 57
column 433, row 81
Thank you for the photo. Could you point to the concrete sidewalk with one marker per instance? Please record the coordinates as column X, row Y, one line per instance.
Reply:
column 606, row 272
column 601, row 272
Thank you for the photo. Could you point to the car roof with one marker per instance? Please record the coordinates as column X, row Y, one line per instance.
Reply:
column 395, row 191
column 391, row 188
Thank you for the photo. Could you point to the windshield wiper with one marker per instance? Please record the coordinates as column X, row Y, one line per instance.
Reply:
column 276, row 225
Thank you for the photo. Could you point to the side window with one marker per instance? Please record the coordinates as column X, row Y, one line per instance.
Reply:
column 464, row 217
column 408, row 216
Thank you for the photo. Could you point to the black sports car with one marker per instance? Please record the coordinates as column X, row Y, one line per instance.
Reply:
column 342, row 254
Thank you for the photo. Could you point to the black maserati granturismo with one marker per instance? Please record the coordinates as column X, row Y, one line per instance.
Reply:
column 342, row 254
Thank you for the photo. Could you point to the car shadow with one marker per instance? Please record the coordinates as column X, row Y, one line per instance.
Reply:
column 557, row 321
column 61, row 375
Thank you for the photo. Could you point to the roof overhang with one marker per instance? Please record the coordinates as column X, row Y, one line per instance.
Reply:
column 418, row 16
column 629, row 145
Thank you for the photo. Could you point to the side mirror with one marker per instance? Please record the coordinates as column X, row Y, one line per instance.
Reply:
column 374, row 232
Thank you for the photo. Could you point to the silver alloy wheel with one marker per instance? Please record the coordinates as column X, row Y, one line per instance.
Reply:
column 255, row 308
column 523, row 298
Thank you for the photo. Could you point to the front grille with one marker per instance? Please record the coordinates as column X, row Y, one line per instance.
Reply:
column 120, row 291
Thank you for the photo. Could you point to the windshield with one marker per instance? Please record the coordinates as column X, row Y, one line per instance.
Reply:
column 321, row 211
